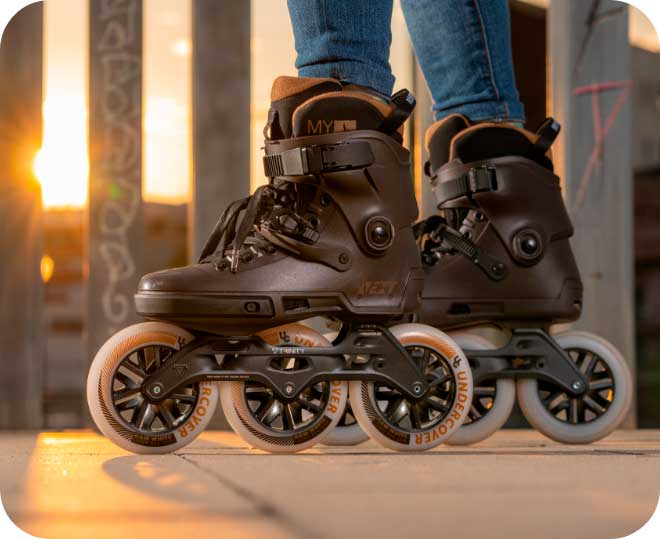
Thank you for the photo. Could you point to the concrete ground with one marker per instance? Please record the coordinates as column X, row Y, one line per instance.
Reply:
column 516, row 485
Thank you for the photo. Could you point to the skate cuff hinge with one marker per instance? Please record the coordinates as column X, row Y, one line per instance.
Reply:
column 476, row 180
column 318, row 159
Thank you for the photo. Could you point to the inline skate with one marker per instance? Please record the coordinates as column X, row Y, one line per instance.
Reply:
column 499, row 267
column 499, row 273
column 330, row 235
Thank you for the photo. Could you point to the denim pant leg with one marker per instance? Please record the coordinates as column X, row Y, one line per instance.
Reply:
column 464, row 50
column 347, row 40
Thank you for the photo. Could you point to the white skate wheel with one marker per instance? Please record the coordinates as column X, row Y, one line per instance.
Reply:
column 268, row 422
column 400, row 423
column 348, row 431
column 492, row 400
column 595, row 414
column 121, row 412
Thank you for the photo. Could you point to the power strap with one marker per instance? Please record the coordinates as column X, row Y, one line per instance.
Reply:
column 476, row 180
column 318, row 159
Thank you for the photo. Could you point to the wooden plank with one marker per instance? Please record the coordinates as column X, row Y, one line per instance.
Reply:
column 115, row 221
column 21, row 290
column 221, row 113
column 590, row 90
column 221, row 119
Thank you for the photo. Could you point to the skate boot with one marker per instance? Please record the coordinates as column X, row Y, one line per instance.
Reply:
column 329, row 235
column 500, row 272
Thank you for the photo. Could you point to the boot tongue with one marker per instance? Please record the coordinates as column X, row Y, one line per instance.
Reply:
column 439, row 137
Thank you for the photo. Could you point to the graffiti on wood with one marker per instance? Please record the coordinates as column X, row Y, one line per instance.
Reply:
column 115, row 191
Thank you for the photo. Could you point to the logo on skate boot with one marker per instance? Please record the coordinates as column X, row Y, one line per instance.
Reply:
column 377, row 288
column 320, row 127
column 180, row 369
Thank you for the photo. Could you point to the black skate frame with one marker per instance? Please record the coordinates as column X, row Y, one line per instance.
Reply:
column 530, row 353
column 360, row 352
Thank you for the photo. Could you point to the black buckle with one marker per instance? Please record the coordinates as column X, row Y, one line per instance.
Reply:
column 316, row 159
column 475, row 180
column 313, row 158
column 481, row 179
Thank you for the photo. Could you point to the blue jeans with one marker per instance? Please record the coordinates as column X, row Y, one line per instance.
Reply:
column 463, row 48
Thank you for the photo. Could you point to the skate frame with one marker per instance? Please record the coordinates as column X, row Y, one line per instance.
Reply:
column 360, row 352
column 530, row 353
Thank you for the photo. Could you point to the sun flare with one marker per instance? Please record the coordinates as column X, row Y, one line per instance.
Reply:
column 61, row 165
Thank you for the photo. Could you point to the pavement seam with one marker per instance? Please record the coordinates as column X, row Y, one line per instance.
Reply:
column 522, row 452
column 263, row 507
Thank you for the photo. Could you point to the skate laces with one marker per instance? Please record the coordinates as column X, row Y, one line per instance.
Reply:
column 271, row 207
column 430, row 235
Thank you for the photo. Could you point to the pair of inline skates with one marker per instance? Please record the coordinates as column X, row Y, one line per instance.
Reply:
column 441, row 323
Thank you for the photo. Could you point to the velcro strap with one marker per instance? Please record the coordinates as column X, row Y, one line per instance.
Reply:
column 318, row 159
column 476, row 180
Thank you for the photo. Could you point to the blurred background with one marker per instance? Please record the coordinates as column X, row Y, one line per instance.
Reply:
column 161, row 104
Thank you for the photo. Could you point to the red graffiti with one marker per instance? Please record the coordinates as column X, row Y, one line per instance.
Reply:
column 601, row 130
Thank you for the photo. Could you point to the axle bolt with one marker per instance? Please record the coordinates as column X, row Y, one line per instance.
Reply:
column 156, row 389
column 417, row 388
column 289, row 388
column 577, row 385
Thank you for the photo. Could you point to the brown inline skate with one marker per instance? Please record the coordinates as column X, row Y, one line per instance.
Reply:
column 331, row 235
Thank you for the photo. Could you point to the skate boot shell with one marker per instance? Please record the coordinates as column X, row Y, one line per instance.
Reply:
column 330, row 234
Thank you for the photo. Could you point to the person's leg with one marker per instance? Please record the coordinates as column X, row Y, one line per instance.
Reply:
column 348, row 40
column 464, row 50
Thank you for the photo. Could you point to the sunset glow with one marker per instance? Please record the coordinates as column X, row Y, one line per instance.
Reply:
column 61, row 165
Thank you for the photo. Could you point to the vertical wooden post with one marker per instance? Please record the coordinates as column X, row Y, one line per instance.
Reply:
column 221, row 118
column 221, row 112
column 115, row 221
column 22, row 343
column 590, row 90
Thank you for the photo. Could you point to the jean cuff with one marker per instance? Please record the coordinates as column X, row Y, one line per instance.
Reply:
column 353, row 72
column 495, row 111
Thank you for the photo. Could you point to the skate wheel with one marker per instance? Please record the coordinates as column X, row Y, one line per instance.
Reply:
column 348, row 431
column 114, row 392
column 595, row 414
column 492, row 400
column 398, row 422
column 268, row 422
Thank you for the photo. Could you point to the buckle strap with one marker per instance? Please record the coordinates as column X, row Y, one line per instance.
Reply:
column 476, row 180
column 490, row 265
column 318, row 159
